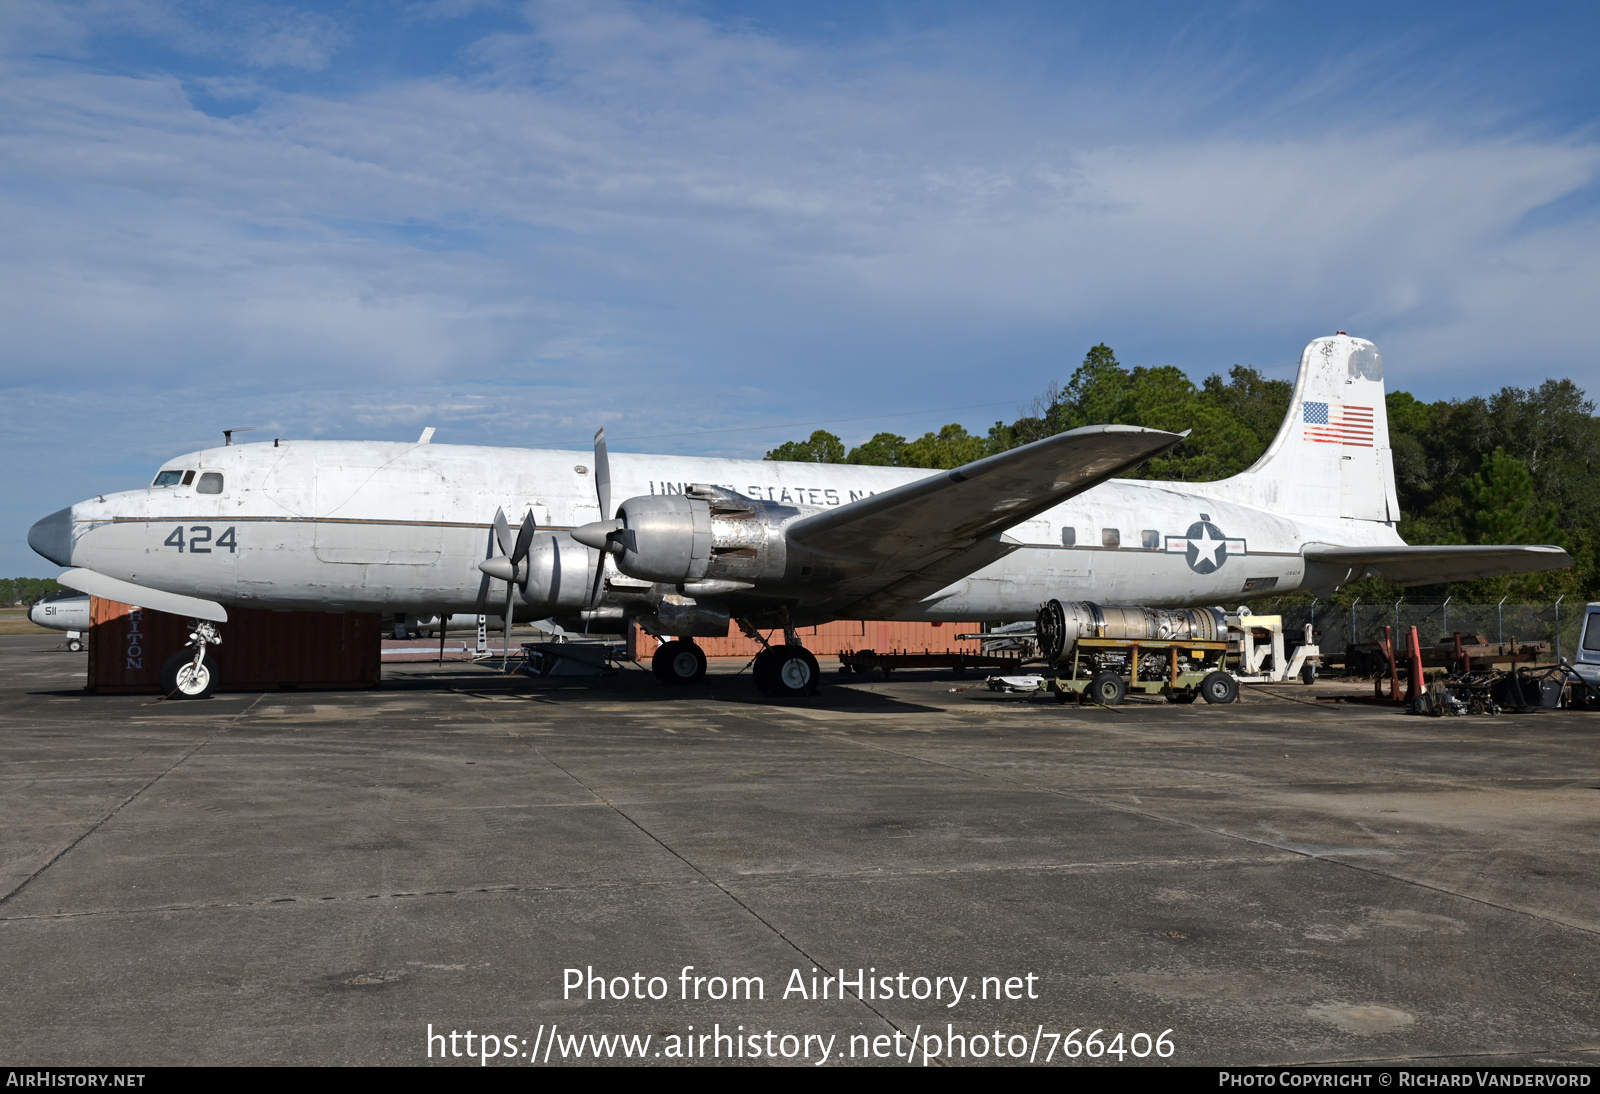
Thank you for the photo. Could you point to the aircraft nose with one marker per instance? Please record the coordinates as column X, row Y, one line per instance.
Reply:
column 52, row 537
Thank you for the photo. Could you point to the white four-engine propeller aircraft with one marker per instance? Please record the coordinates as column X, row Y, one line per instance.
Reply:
column 700, row 543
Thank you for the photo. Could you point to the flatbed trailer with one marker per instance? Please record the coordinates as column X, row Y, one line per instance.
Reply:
column 1104, row 670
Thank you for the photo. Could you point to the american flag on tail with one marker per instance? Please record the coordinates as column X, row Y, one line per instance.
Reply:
column 1338, row 423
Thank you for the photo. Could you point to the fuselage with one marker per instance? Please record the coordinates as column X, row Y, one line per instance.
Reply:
column 62, row 613
column 371, row 526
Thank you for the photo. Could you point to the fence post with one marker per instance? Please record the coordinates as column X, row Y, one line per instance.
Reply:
column 1397, row 615
column 1445, row 609
column 1500, row 620
column 1559, row 599
column 1353, row 603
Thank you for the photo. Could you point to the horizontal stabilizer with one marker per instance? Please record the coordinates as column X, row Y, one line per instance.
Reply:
column 1434, row 565
column 126, row 592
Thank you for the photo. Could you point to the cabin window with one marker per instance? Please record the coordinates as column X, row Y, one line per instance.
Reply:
column 1150, row 539
column 1111, row 537
column 168, row 478
column 210, row 483
column 1069, row 537
column 1591, row 634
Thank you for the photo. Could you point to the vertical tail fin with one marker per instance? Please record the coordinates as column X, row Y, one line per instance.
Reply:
column 1331, row 457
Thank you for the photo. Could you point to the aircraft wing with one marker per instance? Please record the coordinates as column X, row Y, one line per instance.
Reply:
column 111, row 588
column 1435, row 565
column 904, row 543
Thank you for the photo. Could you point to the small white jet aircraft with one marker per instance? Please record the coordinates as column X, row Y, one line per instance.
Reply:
column 63, row 612
column 699, row 543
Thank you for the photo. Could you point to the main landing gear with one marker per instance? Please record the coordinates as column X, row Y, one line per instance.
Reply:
column 679, row 662
column 787, row 671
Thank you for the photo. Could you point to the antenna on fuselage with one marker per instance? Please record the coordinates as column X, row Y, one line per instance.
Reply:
column 227, row 434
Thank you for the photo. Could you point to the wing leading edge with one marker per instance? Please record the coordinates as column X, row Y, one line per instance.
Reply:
column 1435, row 565
column 915, row 539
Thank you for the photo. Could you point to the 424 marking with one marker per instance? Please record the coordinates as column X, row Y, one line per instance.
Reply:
column 200, row 541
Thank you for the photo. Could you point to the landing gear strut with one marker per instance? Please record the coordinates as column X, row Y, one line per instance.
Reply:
column 187, row 674
column 679, row 662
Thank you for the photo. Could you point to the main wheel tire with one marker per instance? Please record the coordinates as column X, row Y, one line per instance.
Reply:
column 786, row 671
column 1219, row 687
column 1107, row 689
column 761, row 670
column 181, row 680
column 679, row 663
column 1308, row 673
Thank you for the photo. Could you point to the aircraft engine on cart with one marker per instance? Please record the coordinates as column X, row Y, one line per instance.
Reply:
column 709, row 539
column 1059, row 626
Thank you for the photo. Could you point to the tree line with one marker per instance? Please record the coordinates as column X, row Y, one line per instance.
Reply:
column 1514, row 467
column 26, row 591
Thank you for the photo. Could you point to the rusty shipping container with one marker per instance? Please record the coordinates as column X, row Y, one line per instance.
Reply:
column 260, row 650
column 828, row 639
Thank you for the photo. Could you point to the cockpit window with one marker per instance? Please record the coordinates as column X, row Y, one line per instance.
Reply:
column 188, row 477
column 210, row 483
column 168, row 478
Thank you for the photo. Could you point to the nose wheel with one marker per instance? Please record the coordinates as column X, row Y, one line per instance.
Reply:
column 189, row 673
column 182, row 678
column 680, row 662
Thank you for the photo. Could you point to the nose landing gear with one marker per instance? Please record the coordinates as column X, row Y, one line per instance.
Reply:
column 187, row 674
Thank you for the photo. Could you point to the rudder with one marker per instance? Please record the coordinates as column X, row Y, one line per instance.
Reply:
column 1331, row 457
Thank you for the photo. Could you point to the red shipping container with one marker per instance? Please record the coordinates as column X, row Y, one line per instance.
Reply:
column 260, row 650
column 828, row 639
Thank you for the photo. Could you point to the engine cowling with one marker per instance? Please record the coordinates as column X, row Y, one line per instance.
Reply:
column 709, row 539
column 560, row 573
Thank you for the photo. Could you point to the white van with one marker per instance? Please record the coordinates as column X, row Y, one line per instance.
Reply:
column 1586, row 660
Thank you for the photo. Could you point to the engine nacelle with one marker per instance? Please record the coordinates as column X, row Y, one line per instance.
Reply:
column 709, row 539
column 560, row 575
column 664, row 537
column 1059, row 626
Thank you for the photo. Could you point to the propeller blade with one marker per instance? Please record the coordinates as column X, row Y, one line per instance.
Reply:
column 524, row 538
column 602, row 473
column 483, row 586
column 599, row 577
column 505, row 657
column 502, row 532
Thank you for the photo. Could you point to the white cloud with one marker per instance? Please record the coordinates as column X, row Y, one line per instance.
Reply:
column 644, row 212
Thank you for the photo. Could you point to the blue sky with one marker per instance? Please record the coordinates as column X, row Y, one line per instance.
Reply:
column 709, row 226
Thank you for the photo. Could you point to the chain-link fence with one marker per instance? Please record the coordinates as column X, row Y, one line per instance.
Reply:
column 1557, row 623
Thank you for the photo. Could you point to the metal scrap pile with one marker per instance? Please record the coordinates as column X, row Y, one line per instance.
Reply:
column 1493, row 690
